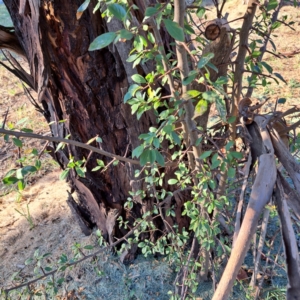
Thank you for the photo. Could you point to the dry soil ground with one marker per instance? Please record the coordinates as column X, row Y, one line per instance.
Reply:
column 52, row 227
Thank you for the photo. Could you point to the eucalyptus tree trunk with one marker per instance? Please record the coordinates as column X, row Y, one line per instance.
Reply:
column 85, row 89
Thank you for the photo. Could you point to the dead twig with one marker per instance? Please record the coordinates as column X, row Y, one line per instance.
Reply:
column 5, row 117
column 237, row 225
column 260, row 246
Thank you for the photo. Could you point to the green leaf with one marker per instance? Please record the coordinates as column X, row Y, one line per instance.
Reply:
column 237, row 155
column 88, row 247
column 125, row 34
column 200, row 108
column 150, row 11
column 221, row 107
column 190, row 95
column 138, row 78
column 131, row 92
column 38, row 164
column 231, row 119
column 83, row 6
column 80, row 171
column 144, row 158
column 63, row 259
column 28, row 261
column 159, row 158
column 281, row 100
column 64, row 174
column 47, row 254
column 27, row 130
column 229, row 145
column 272, row 5
column 61, row 145
column 17, row 142
column 10, row 173
column 212, row 66
column 22, row 121
column 168, row 129
column 205, row 154
column 134, row 108
column 200, row 12
column 151, row 38
column 100, row 163
column 267, row 67
column 21, row 173
column 276, row 25
column 139, row 43
column 138, row 151
column 215, row 164
column 221, row 80
column 21, row 185
column 172, row 181
column 96, row 7
column 132, row 58
column 174, row 30
column 231, row 172
column 96, row 169
column 210, row 96
column 117, row 10
column 152, row 156
column 192, row 75
column 199, row 140
column 204, row 60
column 98, row 139
column 279, row 76
column 102, row 41
column 193, row 93
column 255, row 53
column 189, row 29
column 175, row 138
column 28, row 169
column 148, row 156
column 156, row 142
column 10, row 180
column 60, row 280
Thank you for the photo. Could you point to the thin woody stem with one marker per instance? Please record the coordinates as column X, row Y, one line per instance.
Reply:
column 67, row 141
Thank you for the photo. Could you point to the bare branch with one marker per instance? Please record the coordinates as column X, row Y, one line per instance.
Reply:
column 239, row 66
column 238, row 217
column 70, row 142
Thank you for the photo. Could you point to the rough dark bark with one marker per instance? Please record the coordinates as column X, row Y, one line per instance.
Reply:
column 86, row 89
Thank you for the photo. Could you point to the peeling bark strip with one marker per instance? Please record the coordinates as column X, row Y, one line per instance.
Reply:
column 97, row 212
column 287, row 160
column 290, row 243
column 9, row 41
column 291, row 195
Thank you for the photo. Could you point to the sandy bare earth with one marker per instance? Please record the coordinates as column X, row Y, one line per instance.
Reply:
column 53, row 225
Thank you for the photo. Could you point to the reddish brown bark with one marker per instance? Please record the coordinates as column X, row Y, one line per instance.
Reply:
column 84, row 88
